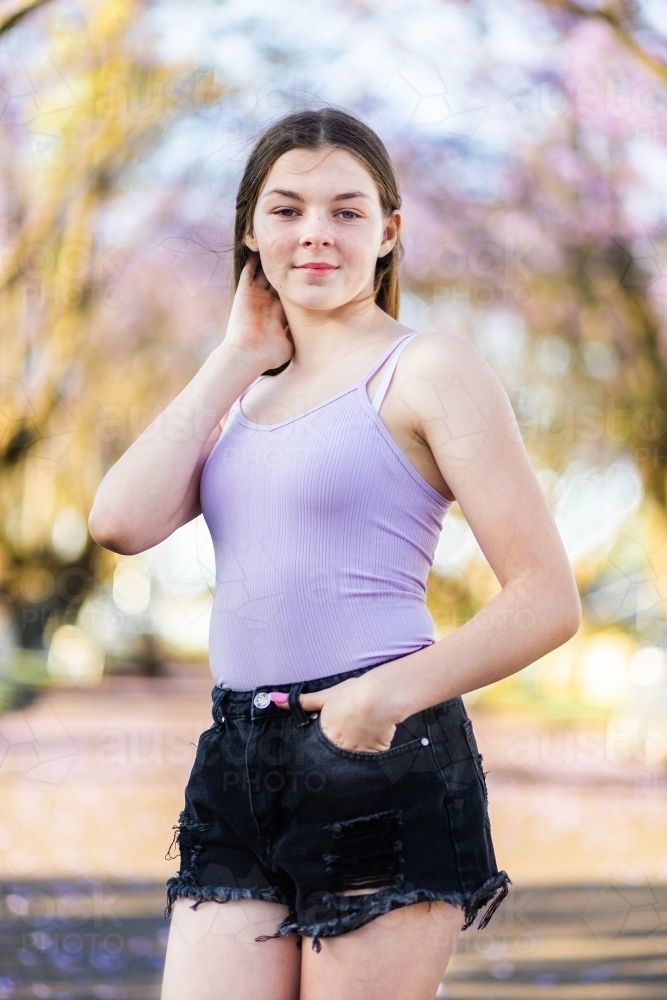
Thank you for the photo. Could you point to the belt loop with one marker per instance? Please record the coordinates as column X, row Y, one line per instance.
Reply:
column 218, row 713
column 295, row 705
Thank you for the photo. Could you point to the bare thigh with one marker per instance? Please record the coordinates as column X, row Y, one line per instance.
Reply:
column 212, row 953
column 401, row 955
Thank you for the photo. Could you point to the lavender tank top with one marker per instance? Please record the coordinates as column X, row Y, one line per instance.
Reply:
column 324, row 535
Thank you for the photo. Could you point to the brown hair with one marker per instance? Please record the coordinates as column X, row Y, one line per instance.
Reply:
column 316, row 129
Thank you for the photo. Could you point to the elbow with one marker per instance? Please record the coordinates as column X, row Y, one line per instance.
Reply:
column 98, row 529
column 567, row 618
column 573, row 620
column 575, row 614
column 107, row 535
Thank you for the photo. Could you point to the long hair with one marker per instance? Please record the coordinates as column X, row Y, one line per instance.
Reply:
column 317, row 129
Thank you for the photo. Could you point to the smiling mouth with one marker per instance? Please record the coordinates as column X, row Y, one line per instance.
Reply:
column 315, row 268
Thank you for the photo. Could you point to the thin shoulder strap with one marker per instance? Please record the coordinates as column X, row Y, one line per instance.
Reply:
column 238, row 400
column 390, row 369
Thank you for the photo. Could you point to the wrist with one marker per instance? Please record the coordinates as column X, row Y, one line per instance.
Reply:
column 377, row 689
column 239, row 359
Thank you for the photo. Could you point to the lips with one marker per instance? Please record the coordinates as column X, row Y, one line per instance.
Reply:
column 317, row 267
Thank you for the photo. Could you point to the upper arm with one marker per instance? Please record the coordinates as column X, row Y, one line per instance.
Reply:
column 191, row 506
column 464, row 414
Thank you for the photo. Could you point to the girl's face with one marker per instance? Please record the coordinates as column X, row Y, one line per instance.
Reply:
column 319, row 228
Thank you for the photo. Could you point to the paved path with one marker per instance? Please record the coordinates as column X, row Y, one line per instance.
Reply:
column 98, row 940
column 92, row 781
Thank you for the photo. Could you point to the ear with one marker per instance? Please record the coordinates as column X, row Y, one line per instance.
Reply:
column 390, row 234
column 251, row 243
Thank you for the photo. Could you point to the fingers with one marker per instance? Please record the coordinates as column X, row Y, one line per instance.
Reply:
column 309, row 702
column 279, row 698
column 249, row 268
column 252, row 275
column 312, row 702
column 261, row 281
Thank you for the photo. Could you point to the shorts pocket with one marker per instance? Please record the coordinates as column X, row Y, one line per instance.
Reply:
column 476, row 755
column 405, row 740
column 215, row 728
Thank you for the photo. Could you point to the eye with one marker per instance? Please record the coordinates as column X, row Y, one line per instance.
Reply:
column 349, row 212
column 281, row 210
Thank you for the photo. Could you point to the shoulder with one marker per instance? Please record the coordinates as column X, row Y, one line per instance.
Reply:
column 445, row 351
column 460, row 408
column 439, row 364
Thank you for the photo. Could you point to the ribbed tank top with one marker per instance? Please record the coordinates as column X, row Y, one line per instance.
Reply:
column 324, row 534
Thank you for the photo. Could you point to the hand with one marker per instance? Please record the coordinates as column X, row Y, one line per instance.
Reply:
column 257, row 322
column 349, row 717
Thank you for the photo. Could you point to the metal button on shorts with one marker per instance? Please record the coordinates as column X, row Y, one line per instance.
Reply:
column 261, row 700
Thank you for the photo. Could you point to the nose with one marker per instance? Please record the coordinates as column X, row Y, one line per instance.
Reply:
column 316, row 233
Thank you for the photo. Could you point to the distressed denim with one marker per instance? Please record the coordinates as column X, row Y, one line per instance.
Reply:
column 275, row 810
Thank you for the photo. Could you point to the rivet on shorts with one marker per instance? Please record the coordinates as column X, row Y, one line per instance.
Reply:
column 313, row 715
column 425, row 741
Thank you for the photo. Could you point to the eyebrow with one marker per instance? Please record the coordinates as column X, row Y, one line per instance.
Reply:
column 297, row 197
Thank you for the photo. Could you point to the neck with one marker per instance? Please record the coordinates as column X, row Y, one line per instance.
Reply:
column 321, row 337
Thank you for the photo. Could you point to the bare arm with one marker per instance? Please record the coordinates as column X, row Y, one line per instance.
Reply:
column 461, row 409
column 154, row 486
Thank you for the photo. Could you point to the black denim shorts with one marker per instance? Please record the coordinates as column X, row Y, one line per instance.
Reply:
column 275, row 810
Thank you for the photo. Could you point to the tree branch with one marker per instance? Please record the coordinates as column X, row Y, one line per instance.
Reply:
column 12, row 13
column 616, row 23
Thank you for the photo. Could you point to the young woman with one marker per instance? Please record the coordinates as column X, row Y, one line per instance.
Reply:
column 338, row 795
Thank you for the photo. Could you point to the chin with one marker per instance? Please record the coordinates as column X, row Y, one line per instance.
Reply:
column 321, row 296
column 320, row 302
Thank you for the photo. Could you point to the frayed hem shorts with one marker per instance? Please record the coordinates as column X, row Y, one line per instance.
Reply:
column 275, row 810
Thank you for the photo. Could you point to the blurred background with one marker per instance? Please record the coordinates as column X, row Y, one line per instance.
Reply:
column 531, row 144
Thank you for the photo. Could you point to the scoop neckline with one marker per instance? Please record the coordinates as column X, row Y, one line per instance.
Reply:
column 361, row 384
